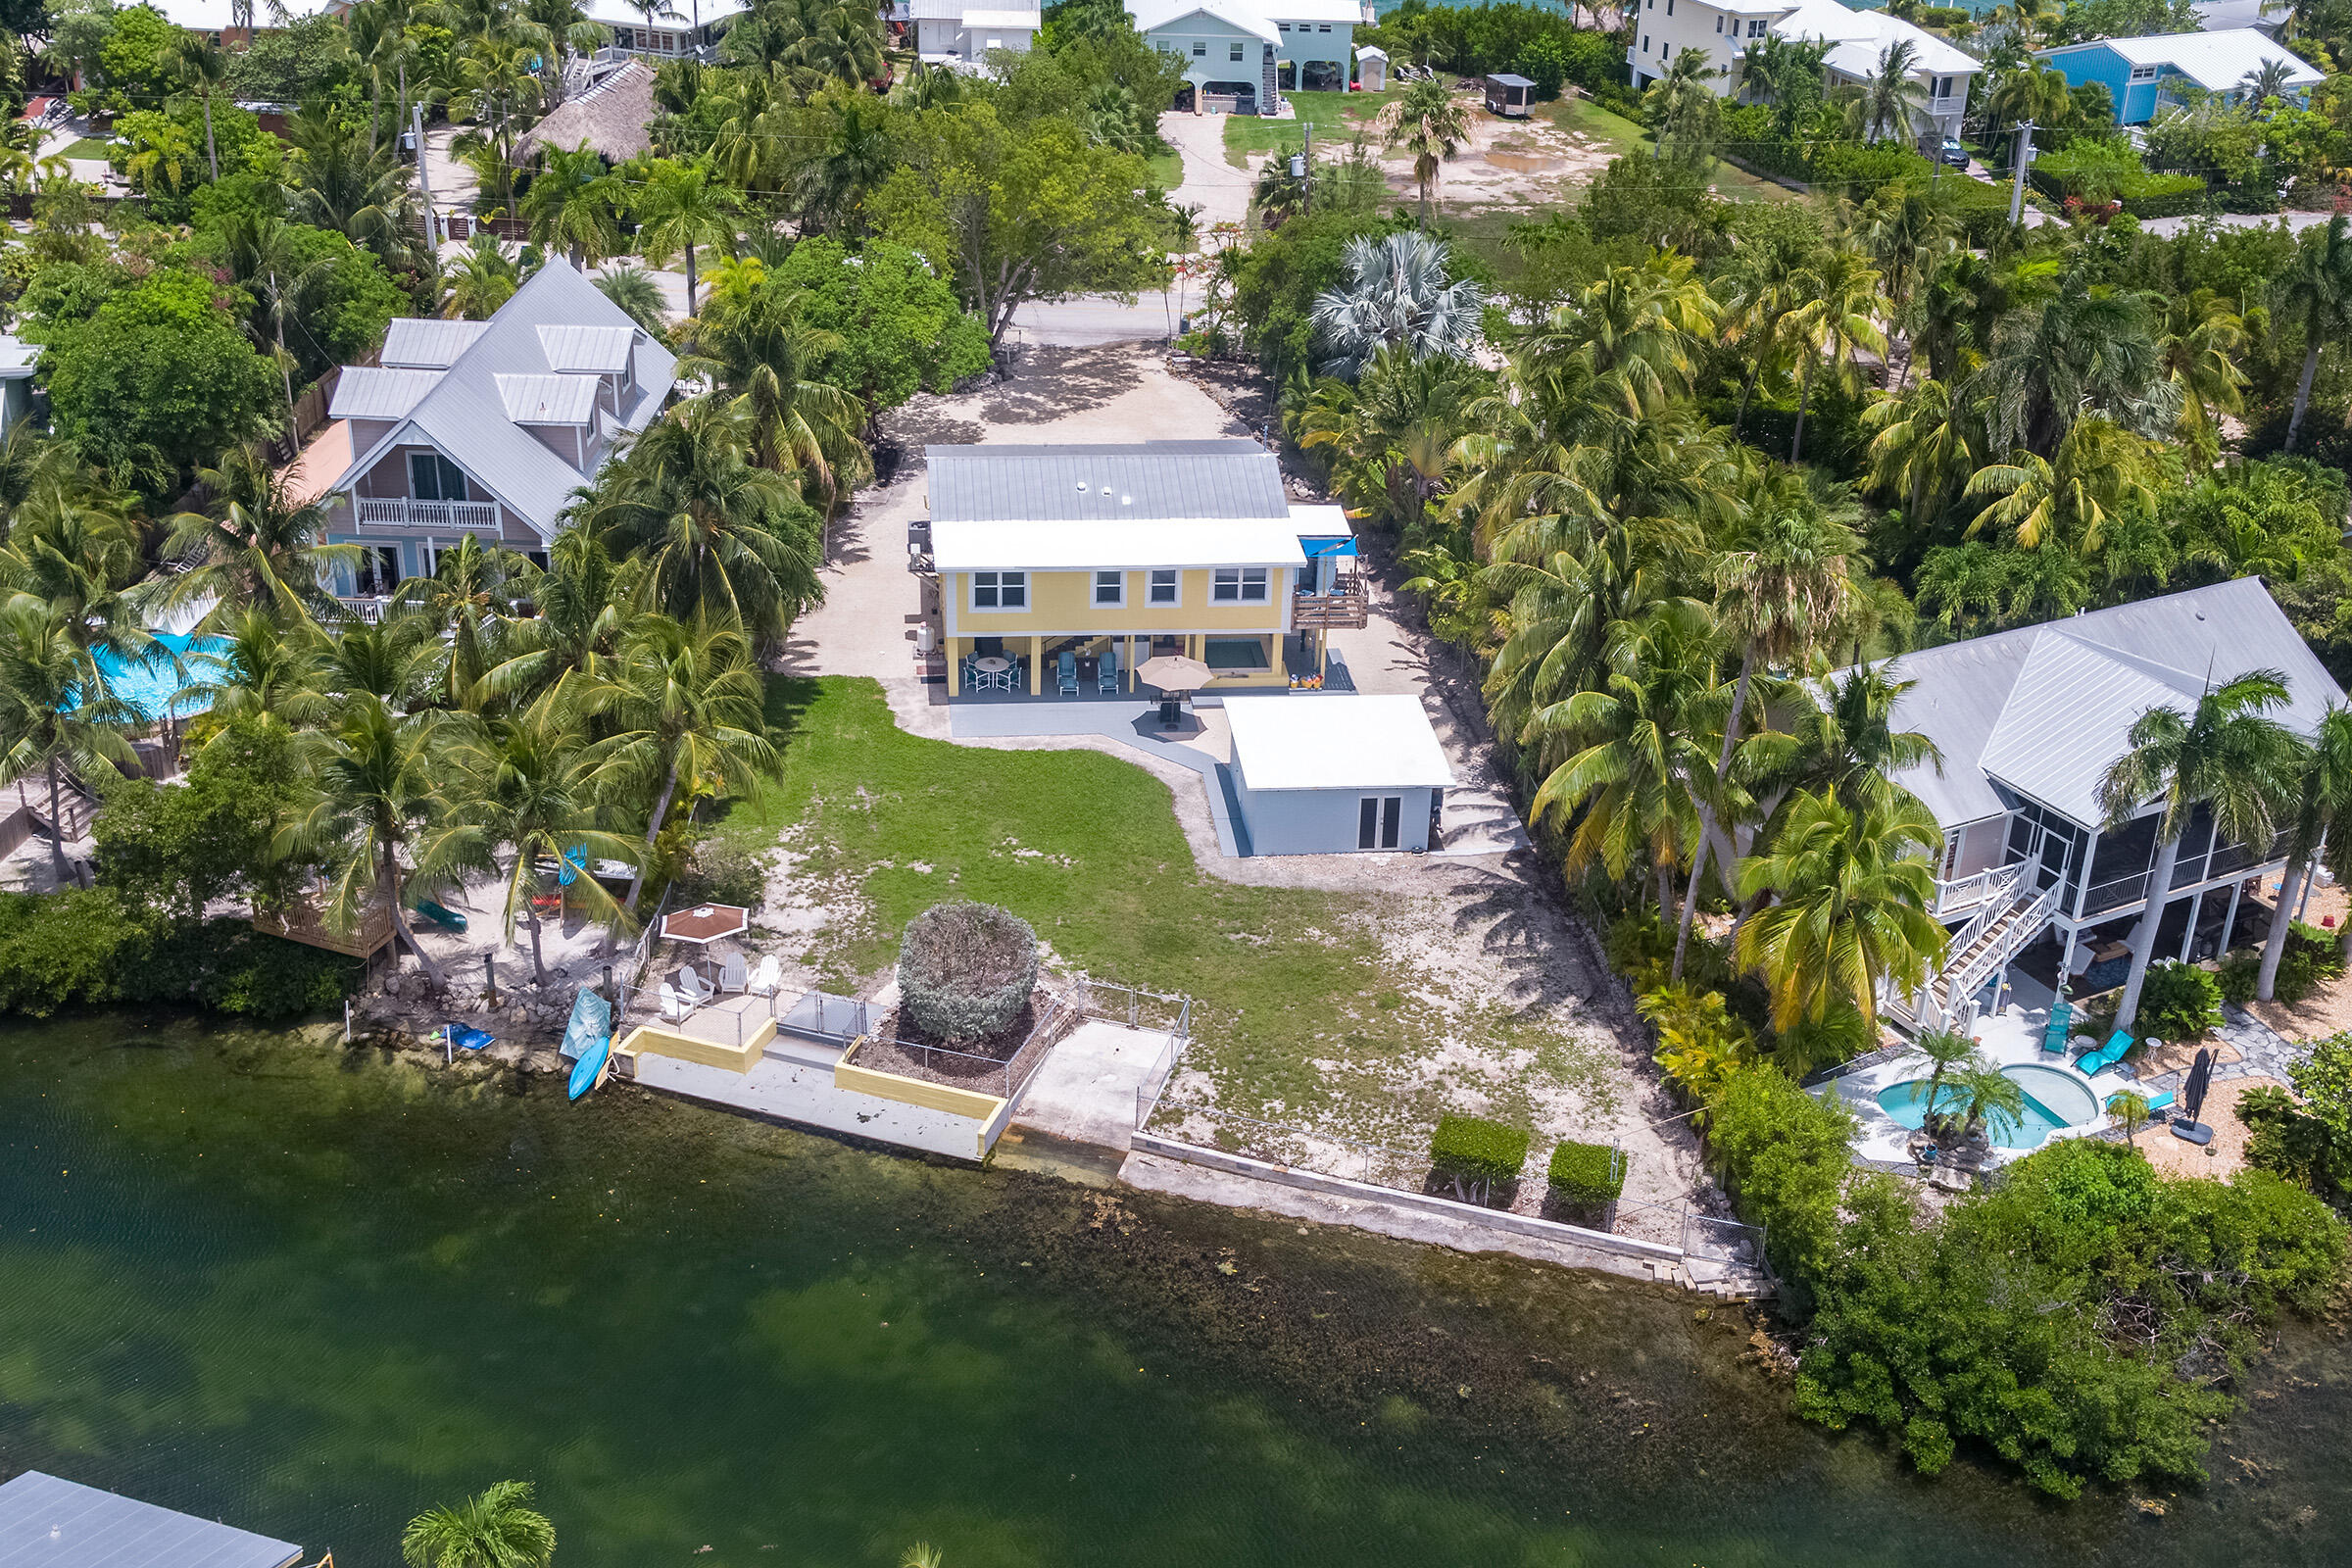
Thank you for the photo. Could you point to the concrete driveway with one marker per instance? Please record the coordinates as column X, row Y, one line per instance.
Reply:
column 1220, row 190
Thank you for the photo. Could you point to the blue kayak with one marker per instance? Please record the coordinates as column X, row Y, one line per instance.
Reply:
column 466, row 1039
column 589, row 1071
column 446, row 919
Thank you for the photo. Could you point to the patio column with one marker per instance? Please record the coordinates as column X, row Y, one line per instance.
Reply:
column 955, row 646
column 1134, row 644
column 2065, row 959
column 2189, row 938
column 1037, row 666
column 2229, row 922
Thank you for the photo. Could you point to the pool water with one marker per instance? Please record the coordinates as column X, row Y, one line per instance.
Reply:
column 154, row 685
column 2055, row 1099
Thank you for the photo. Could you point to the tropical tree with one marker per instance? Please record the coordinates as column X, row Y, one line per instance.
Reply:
column 1838, row 317
column 1429, row 121
column 494, row 1528
column 575, row 205
column 258, row 671
column 374, row 790
column 1842, row 739
column 2315, row 292
column 753, row 340
column 579, row 600
column 2199, row 339
column 1923, row 448
column 258, row 548
column 2083, row 351
column 483, row 278
column 1890, row 99
column 1396, row 296
column 2099, row 473
column 1686, row 108
column 2322, row 795
column 58, row 714
column 856, row 156
column 639, row 297
column 2265, row 81
column 1854, row 890
column 1977, row 1092
column 683, row 702
column 1945, row 1051
column 202, row 67
column 679, row 207
column 464, row 601
column 521, row 788
column 2227, row 755
column 358, row 190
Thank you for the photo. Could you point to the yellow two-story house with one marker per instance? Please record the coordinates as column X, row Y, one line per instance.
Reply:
column 1062, row 569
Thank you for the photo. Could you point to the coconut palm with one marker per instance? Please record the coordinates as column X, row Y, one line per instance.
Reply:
column 2315, row 293
column 73, row 546
column 679, row 207
column 2322, row 792
column 259, row 670
column 374, row 791
column 1429, row 121
column 1838, row 317
column 1634, row 338
column 1758, row 287
column 2083, row 350
column 2199, row 339
column 579, row 601
column 683, row 702
column 399, row 662
column 360, row 192
column 2099, row 473
column 1396, row 295
column 1890, row 98
column 639, row 297
column 2227, row 755
column 1922, row 448
column 202, row 67
column 258, row 548
column 521, row 788
column 268, row 256
column 1686, row 108
column 485, row 278
column 1854, row 890
column 575, row 205
column 2265, row 81
column 466, row 600
column 58, row 714
column 752, row 341
column 496, row 1529
column 1842, row 739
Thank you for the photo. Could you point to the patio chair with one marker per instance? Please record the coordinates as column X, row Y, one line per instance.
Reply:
column 766, row 977
column 2091, row 1062
column 2053, row 1035
column 730, row 973
column 692, row 987
column 674, row 1007
column 1066, row 668
column 1106, row 669
column 2159, row 1105
column 973, row 680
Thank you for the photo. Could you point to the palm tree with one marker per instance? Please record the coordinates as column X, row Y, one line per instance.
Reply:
column 2199, row 339
column 261, row 673
column 374, row 790
column 1838, row 319
column 1787, row 585
column 202, row 66
column 268, row 256
column 260, row 549
column 1844, row 741
column 679, row 207
column 2315, row 293
column 752, row 340
column 2265, row 81
column 1923, row 448
column 579, row 598
column 1429, row 121
column 2227, row 755
column 1890, row 98
column 857, row 155
column 1685, row 107
column 2084, row 351
column 1854, row 888
column 2321, row 790
column 1946, row 1050
column 683, row 702
column 1981, row 1092
column 466, row 600
column 498, row 1529
column 57, row 713
column 575, row 205
column 521, row 787
column 2099, row 473
column 1396, row 295
column 485, row 279
column 639, row 297
column 360, row 192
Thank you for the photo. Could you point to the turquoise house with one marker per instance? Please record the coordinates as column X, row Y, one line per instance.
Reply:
column 2143, row 75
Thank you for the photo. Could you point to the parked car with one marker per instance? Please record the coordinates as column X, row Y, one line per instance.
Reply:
column 1951, row 154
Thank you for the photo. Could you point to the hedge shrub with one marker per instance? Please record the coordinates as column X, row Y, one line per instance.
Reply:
column 1587, row 1175
column 2179, row 1002
column 1477, row 1153
column 2311, row 958
column 91, row 948
column 965, row 970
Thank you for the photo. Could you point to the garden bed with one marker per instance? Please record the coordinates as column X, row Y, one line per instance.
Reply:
column 999, row 1063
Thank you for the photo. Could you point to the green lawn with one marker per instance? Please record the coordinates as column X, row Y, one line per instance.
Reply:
column 89, row 147
column 1334, row 115
column 1166, row 169
column 1088, row 849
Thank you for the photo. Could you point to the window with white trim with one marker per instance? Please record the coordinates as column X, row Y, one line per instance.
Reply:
column 1718, row 24
column 1233, row 50
column 1239, row 585
column 2143, row 73
column 1110, row 587
column 1200, row 49
column 1755, row 26
column 1000, row 590
column 1164, row 585
column 1645, row 44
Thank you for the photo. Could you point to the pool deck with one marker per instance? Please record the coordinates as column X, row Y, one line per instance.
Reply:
column 2007, row 1039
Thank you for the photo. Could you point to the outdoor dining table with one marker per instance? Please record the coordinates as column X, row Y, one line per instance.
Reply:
column 991, row 665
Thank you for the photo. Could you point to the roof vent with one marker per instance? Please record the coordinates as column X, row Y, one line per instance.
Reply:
column 1129, row 500
column 1082, row 487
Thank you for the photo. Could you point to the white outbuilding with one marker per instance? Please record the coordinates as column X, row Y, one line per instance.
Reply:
column 1332, row 772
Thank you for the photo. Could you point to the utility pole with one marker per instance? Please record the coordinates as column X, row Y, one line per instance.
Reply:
column 433, row 220
column 1307, row 175
column 2017, row 184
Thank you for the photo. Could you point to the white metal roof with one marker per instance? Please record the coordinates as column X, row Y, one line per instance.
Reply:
column 1336, row 741
column 49, row 1522
column 548, row 399
column 1860, row 39
column 16, row 356
column 575, row 346
column 2213, row 61
column 366, row 392
column 1324, row 521
column 1008, row 20
column 1065, row 545
column 426, row 342
column 211, row 16
column 681, row 13
column 1152, row 14
column 1333, row 11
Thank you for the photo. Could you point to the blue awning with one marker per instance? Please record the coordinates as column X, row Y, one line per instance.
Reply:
column 1318, row 548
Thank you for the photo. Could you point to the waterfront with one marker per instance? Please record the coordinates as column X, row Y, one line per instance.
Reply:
column 312, row 1290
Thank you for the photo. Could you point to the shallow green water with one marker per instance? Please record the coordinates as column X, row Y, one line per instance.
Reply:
column 312, row 1292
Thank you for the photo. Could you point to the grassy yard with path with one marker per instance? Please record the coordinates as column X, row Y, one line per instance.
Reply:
column 1336, row 116
column 1309, row 1005
column 89, row 147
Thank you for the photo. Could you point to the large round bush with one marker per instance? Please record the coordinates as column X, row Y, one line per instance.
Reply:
column 965, row 970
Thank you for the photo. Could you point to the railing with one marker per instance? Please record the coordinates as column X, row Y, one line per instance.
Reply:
column 1999, row 883
column 366, row 608
column 406, row 512
column 1348, row 608
column 1951, row 103
column 1962, row 982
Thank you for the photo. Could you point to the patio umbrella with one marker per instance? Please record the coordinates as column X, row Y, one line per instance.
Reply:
column 706, row 923
column 2192, row 1101
column 1174, row 672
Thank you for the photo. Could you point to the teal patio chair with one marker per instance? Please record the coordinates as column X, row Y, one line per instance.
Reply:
column 1106, row 669
column 1066, row 670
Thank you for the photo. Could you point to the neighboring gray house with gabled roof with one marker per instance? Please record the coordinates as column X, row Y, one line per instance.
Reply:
column 2028, row 721
column 487, row 427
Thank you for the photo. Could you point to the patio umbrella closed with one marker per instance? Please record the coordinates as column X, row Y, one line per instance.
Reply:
column 1174, row 672
column 2192, row 1101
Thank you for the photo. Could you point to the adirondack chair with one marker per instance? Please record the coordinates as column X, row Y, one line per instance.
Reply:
column 1106, row 669
column 731, row 972
column 766, row 977
column 673, row 1006
column 1066, row 670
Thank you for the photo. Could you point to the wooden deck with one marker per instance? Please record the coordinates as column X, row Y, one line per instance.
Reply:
column 304, row 923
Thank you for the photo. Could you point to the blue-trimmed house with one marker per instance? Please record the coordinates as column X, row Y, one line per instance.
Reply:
column 2143, row 74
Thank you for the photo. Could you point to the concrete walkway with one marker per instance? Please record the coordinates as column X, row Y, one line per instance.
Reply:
column 1210, row 184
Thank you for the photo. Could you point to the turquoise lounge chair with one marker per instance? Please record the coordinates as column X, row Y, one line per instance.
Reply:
column 1066, row 668
column 446, row 919
column 1106, row 669
column 2107, row 1055
column 2053, row 1037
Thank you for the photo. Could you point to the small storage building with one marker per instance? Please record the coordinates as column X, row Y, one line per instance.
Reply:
column 48, row 1522
column 1334, row 772
column 1507, row 95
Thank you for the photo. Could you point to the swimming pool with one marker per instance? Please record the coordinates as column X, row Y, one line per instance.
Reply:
column 152, row 685
column 2055, row 1099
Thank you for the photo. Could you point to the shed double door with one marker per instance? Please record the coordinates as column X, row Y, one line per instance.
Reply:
column 1378, row 817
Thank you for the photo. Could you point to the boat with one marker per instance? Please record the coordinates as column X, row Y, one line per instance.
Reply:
column 595, row 1061
column 466, row 1038
column 591, row 1021
column 446, row 919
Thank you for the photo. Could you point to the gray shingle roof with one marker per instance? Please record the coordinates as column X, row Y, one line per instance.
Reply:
column 364, row 392
column 46, row 1522
column 466, row 415
column 1148, row 479
column 2044, row 710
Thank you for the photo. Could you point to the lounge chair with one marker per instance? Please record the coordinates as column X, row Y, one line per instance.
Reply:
column 1106, row 669
column 730, row 973
column 694, row 988
column 2091, row 1062
column 1067, row 668
column 2158, row 1105
column 2053, row 1035
column 674, row 1007
column 766, row 977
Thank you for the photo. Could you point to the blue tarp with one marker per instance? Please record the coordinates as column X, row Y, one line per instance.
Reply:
column 1317, row 549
